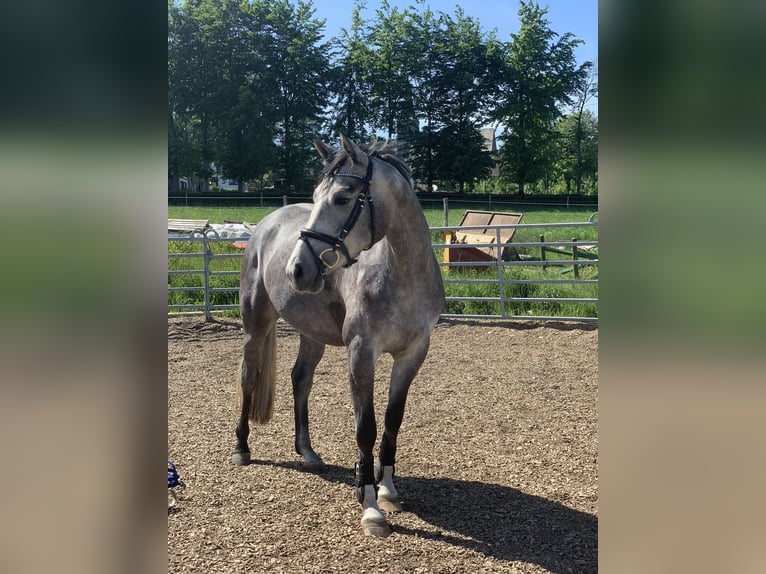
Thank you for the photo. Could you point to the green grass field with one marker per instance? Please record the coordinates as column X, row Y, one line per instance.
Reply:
column 486, row 282
column 433, row 211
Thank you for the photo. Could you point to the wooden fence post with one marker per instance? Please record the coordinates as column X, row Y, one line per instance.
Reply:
column 445, row 201
column 542, row 251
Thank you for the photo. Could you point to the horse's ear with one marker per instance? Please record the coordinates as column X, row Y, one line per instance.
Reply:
column 354, row 151
column 324, row 150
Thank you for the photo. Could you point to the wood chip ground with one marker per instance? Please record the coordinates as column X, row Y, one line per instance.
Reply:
column 497, row 461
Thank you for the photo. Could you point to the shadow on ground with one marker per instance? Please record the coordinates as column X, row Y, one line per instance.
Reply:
column 520, row 325
column 497, row 521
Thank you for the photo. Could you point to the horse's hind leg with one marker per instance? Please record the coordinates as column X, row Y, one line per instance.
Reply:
column 405, row 368
column 309, row 355
column 257, row 373
column 241, row 454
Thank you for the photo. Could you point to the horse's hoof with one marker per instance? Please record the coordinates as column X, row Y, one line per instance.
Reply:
column 316, row 467
column 374, row 524
column 240, row 458
column 377, row 530
column 389, row 506
column 313, row 463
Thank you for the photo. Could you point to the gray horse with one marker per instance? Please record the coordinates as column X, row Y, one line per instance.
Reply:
column 355, row 269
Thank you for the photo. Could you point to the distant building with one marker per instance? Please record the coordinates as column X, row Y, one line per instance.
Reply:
column 186, row 184
column 490, row 144
column 224, row 184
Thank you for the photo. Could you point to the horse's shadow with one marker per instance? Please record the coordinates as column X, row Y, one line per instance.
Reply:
column 497, row 521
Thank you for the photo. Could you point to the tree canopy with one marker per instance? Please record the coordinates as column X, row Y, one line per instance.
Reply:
column 251, row 82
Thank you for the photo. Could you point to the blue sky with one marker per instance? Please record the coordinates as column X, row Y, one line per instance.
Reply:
column 580, row 17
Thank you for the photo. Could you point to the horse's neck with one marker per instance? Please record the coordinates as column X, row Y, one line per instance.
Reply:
column 409, row 238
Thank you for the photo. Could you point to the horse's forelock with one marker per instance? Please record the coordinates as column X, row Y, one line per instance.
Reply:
column 336, row 160
column 385, row 150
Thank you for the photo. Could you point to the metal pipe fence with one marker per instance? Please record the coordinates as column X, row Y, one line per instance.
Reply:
column 553, row 280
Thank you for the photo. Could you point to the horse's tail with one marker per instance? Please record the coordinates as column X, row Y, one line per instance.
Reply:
column 260, row 382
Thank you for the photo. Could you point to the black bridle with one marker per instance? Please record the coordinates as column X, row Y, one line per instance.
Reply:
column 337, row 243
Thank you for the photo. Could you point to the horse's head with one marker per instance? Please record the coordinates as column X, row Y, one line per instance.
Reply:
column 342, row 223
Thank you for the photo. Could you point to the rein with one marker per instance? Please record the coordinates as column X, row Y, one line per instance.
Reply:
column 338, row 243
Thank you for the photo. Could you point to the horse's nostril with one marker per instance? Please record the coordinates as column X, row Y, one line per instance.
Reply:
column 297, row 271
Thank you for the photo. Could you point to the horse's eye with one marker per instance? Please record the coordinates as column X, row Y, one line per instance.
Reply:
column 340, row 200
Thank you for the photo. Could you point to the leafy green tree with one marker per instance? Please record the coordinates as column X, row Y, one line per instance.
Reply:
column 350, row 85
column 460, row 155
column 184, row 156
column 194, row 76
column 251, row 82
column 540, row 76
column 246, row 87
column 468, row 73
column 578, row 150
column 451, row 65
column 422, row 27
column 300, row 66
column 247, row 105
column 586, row 132
column 392, row 52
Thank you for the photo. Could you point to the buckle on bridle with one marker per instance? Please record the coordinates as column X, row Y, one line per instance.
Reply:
column 336, row 244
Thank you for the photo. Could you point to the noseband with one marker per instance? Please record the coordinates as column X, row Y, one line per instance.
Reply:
column 337, row 243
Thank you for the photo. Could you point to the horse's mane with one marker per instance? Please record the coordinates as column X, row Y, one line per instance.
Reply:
column 382, row 149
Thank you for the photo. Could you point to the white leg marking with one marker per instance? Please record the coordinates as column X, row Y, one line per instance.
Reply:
column 373, row 521
column 369, row 503
column 388, row 498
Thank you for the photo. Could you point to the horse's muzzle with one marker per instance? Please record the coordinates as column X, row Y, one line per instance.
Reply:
column 303, row 272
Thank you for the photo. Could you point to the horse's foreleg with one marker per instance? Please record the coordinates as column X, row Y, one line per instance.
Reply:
column 362, row 376
column 309, row 355
column 403, row 372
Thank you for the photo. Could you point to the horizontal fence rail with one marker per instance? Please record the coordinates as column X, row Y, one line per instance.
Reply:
column 525, row 279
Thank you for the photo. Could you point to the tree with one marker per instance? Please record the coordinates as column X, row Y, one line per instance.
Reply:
column 246, row 87
column 392, row 52
column 540, row 75
column 184, row 156
column 460, row 155
column 350, row 83
column 193, row 80
column 587, row 89
column 578, row 149
column 251, row 82
column 462, row 86
column 422, row 28
column 300, row 67
column 247, row 105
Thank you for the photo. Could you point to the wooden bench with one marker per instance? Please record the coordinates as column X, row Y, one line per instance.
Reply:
column 187, row 225
column 481, row 238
